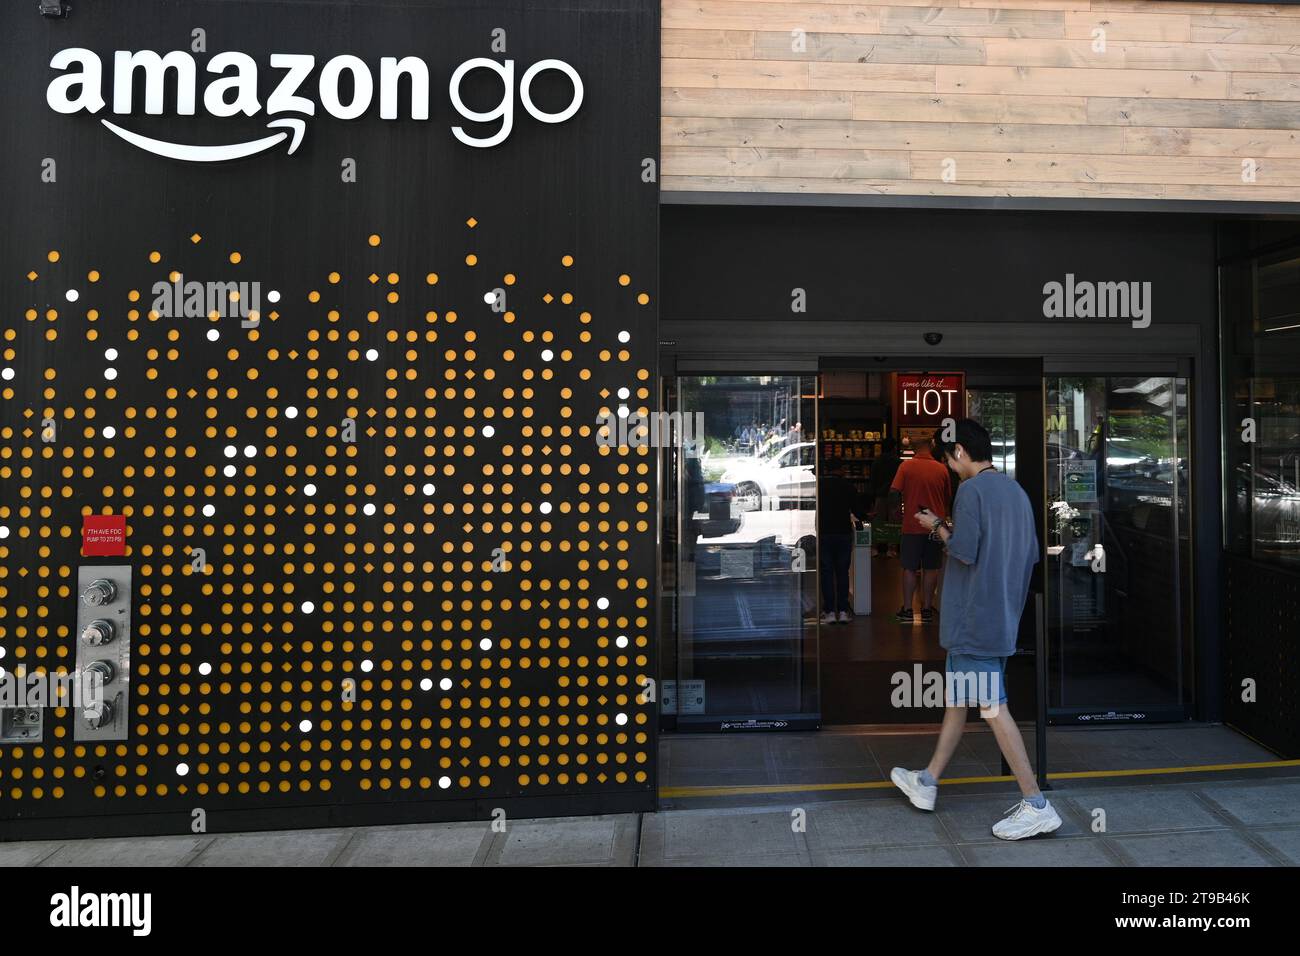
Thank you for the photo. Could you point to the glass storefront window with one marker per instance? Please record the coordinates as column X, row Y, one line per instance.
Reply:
column 1260, row 340
column 996, row 411
column 739, row 556
column 1119, row 556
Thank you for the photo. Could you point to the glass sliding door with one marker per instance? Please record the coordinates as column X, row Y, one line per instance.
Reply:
column 739, row 555
column 1119, row 554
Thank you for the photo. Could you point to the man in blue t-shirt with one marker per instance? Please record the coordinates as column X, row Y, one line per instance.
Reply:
column 992, row 547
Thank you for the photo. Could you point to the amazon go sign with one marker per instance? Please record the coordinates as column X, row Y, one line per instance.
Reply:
column 345, row 88
column 929, row 399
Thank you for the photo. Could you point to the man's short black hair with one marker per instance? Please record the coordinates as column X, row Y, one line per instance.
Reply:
column 971, row 435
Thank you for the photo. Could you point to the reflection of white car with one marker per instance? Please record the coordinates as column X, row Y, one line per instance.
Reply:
column 789, row 476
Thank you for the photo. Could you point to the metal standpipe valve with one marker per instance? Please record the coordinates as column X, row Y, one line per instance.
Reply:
column 98, row 632
column 97, row 715
column 99, row 592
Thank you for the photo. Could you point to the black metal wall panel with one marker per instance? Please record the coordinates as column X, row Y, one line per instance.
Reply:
column 1262, row 660
column 451, row 612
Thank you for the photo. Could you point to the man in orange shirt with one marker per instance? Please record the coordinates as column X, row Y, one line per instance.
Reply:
column 923, row 484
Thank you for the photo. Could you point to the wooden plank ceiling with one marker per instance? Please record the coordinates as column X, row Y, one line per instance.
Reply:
column 1125, row 99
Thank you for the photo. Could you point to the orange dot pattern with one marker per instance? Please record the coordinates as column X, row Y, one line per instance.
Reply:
column 422, row 575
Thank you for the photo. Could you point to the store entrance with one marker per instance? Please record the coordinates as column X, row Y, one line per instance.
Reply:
column 746, row 644
column 872, row 421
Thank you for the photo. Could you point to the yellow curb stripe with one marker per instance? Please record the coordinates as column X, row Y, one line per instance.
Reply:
column 949, row 781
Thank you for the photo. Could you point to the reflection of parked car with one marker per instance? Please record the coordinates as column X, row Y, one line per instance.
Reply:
column 722, row 514
column 787, row 476
column 1133, row 490
column 1276, row 506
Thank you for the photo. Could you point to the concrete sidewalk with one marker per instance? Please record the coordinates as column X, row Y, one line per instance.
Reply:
column 1232, row 816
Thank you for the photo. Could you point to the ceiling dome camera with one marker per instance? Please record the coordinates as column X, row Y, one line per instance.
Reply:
column 933, row 338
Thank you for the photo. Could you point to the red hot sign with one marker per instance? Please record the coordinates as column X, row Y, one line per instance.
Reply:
column 929, row 399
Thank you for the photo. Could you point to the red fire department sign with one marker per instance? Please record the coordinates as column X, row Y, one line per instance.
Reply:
column 103, row 535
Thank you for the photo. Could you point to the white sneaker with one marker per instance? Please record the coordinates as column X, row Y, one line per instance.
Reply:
column 909, row 781
column 844, row 617
column 828, row 617
column 1026, row 820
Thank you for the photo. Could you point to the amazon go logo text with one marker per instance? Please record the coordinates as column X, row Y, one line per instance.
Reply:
column 345, row 87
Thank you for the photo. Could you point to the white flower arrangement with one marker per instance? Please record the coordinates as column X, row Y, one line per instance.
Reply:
column 1063, row 513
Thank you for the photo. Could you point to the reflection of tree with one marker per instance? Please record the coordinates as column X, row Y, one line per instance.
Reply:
column 1147, row 434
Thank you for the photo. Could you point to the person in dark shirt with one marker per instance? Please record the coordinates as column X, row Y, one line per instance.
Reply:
column 883, row 470
column 838, row 505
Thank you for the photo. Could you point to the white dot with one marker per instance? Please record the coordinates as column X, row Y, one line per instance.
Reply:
column 110, row 354
column 110, row 373
column 490, row 298
column 545, row 508
column 250, row 451
column 291, row 412
column 620, row 719
column 273, row 296
column 205, row 668
column 229, row 471
column 445, row 683
column 309, row 490
column 547, row 355
column 624, row 392
column 72, row 295
column 622, row 640
column 308, row 607
column 213, row 335
column 109, row 431
column 485, row 644
column 209, row 510
column 230, row 451
column 444, row 782
column 602, row 603
column 367, row 665
column 622, row 411
column 372, row 354
column 488, row 431
column 625, row 336
column 182, row 769
column 4, row 531
column 369, row 508
column 304, row 725
column 3, row 652
column 428, row 488
column 426, row 684
column 7, row 374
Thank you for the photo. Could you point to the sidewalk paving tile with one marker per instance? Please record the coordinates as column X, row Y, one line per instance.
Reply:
column 1257, row 804
column 420, row 845
column 871, row 823
column 1285, row 841
column 715, row 836
column 569, row 841
column 1143, row 810
column 140, row 851
column 1048, row 850
column 890, row 856
column 277, row 848
column 1204, row 848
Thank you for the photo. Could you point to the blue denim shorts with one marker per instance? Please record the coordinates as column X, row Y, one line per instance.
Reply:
column 970, row 681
